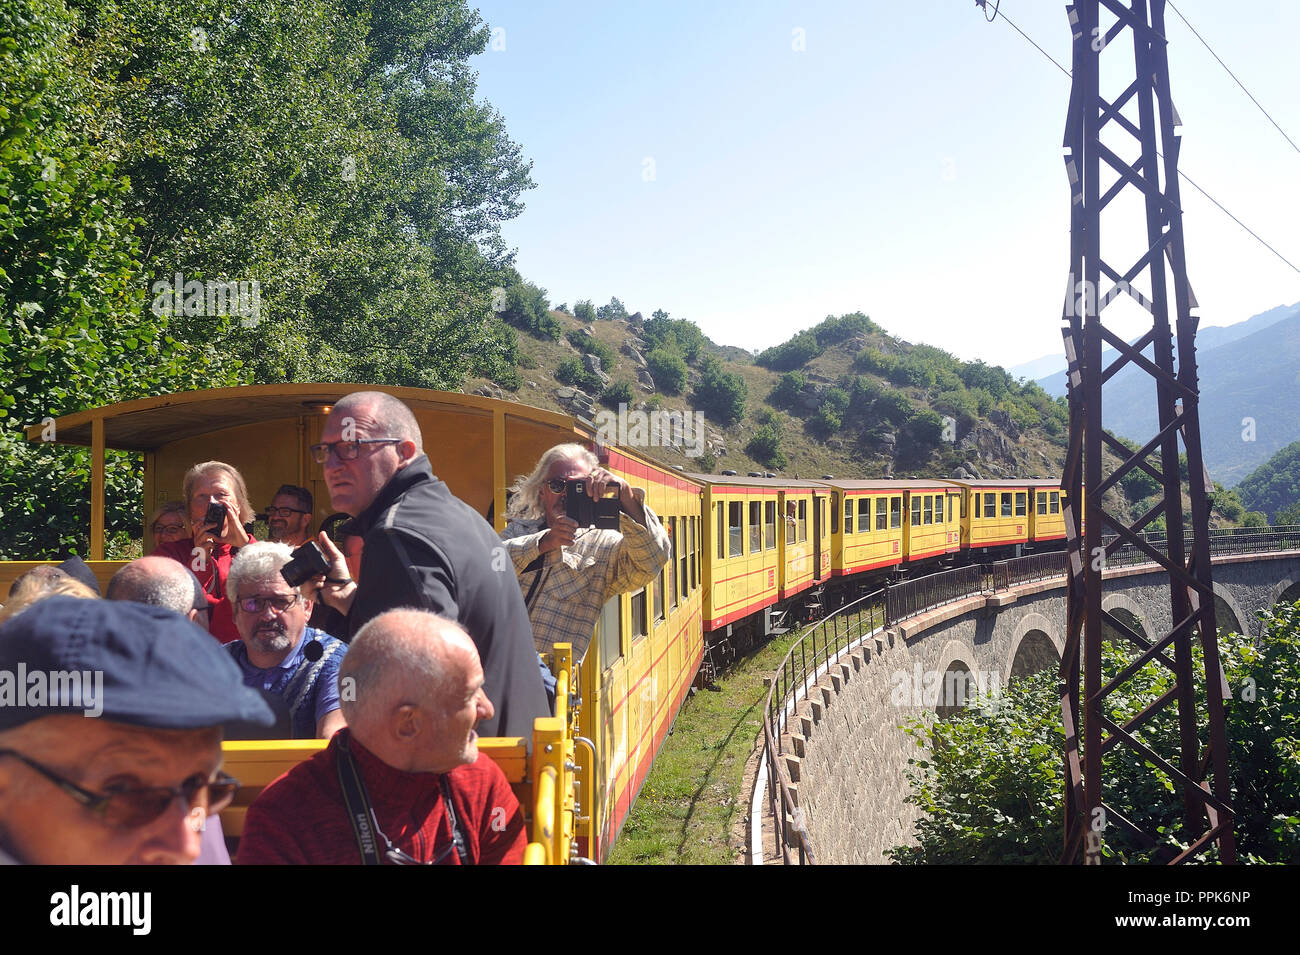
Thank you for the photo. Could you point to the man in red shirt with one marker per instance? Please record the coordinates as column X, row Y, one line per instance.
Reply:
column 404, row 783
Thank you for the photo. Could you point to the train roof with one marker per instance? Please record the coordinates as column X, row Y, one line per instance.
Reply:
column 885, row 484
column 146, row 423
column 1023, row 482
column 737, row 480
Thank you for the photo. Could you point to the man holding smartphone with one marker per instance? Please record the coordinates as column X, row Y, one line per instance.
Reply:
column 567, row 572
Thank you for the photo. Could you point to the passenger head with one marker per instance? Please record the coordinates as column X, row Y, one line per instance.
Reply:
column 40, row 583
column 270, row 615
column 289, row 514
column 216, row 481
column 158, row 582
column 389, row 441
column 417, row 691
column 92, row 776
column 532, row 498
column 170, row 522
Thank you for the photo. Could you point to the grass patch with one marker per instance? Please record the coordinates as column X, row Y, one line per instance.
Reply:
column 692, row 799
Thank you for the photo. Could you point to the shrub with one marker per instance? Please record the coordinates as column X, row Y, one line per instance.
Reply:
column 618, row 392
column 584, row 311
column 788, row 389
column 667, row 369
column 720, row 393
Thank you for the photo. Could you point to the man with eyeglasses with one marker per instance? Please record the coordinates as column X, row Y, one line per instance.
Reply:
column 277, row 651
column 289, row 515
column 404, row 783
column 123, row 765
column 423, row 547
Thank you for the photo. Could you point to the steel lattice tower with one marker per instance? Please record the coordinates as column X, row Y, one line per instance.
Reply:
column 1097, row 175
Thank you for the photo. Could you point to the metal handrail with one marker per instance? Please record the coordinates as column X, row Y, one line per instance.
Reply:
column 894, row 603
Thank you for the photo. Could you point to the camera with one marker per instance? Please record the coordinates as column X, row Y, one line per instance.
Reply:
column 602, row 512
column 307, row 562
column 215, row 517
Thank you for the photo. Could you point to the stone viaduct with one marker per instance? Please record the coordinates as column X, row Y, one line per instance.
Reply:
column 847, row 756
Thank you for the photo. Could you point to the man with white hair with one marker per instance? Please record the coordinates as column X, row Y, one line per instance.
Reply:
column 567, row 572
column 277, row 651
column 404, row 782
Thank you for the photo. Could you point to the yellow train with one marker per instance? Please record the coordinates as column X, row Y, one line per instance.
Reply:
column 746, row 552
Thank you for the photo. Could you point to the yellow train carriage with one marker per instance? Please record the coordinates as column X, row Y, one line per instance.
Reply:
column 933, row 525
column 866, row 525
column 994, row 513
column 648, row 645
column 642, row 659
column 1047, row 520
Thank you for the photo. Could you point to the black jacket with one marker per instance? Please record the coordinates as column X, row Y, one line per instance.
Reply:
column 428, row 549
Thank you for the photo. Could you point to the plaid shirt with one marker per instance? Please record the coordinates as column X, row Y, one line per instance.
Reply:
column 581, row 577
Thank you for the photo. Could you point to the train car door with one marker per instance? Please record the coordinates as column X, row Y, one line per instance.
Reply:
column 818, row 506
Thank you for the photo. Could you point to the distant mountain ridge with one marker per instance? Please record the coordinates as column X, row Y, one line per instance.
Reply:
column 1049, row 370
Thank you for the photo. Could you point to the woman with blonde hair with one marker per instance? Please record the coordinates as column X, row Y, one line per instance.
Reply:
column 169, row 523
column 211, row 547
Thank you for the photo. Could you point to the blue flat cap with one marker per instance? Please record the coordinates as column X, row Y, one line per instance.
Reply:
column 120, row 661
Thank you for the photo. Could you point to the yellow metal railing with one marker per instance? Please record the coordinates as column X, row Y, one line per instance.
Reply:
column 553, row 764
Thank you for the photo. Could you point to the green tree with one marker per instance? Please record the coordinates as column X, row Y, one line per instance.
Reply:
column 667, row 369
column 720, row 393
column 617, row 393
column 614, row 309
column 584, row 311
column 765, row 445
column 788, row 389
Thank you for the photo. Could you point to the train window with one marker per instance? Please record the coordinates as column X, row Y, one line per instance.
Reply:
column 864, row 514
column 835, row 515
column 963, row 506
column 755, row 530
column 609, row 630
column 1006, row 504
column 848, row 514
column 640, row 626
column 1020, row 503
column 803, row 521
column 1055, row 499
column 735, row 536
column 769, row 525
column 916, row 510
column 658, row 585
column 695, row 565
column 895, row 513
column 684, row 575
column 722, row 531
column 882, row 513
column 1041, row 498
column 790, row 527
column 990, row 504
column 927, row 509
column 672, row 562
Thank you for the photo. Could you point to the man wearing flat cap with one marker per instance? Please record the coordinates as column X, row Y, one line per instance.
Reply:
column 110, row 733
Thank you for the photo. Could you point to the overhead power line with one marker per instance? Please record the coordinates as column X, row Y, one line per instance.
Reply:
column 1234, row 77
column 1253, row 234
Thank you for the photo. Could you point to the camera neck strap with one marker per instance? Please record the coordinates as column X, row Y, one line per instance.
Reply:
column 365, row 826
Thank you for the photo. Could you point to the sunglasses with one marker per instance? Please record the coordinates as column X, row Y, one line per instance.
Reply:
column 132, row 808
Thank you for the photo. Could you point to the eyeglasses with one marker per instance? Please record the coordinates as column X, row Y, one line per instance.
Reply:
column 557, row 485
column 280, row 602
column 347, row 450
column 132, row 808
column 285, row 511
column 168, row 528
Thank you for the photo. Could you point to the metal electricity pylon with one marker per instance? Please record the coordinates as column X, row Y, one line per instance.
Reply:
column 1138, row 121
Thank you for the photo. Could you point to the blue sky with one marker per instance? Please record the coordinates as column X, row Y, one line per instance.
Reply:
column 757, row 166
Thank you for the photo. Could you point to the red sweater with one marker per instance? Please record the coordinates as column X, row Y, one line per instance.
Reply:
column 222, row 625
column 301, row 819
